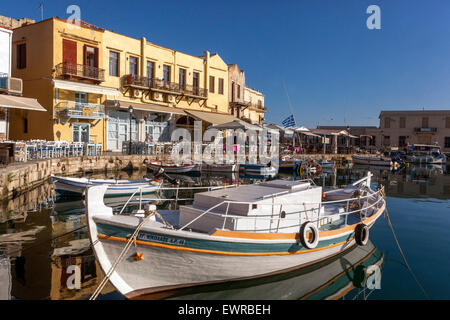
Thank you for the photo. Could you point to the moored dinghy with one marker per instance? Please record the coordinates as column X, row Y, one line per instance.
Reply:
column 229, row 234
column 172, row 167
column 75, row 187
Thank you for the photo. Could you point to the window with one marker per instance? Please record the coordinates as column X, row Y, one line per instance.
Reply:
column 80, row 99
column 402, row 122
column 182, row 78
column 447, row 142
column 166, row 73
column 211, row 84
column 447, row 122
column 220, row 86
column 401, row 141
column 134, row 66
column 113, row 64
column 25, row 125
column 238, row 91
column 195, row 82
column 21, row 56
column 150, row 72
column 387, row 122
column 425, row 122
column 373, row 141
column 80, row 132
column 90, row 56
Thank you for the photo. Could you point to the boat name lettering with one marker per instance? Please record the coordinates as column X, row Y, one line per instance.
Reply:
column 163, row 239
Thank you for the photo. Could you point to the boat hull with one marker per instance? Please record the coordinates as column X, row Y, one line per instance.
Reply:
column 220, row 167
column 177, row 259
column 165, row 269
column 373, row 161
column 426, row 159
column 173, row 168
column 73, row 187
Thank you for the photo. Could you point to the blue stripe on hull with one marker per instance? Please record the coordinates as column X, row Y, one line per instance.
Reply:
column 239, row 247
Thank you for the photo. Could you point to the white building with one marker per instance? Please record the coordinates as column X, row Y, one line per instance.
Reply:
column 10, row 88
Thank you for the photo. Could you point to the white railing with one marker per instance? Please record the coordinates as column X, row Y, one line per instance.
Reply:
column 367, row 206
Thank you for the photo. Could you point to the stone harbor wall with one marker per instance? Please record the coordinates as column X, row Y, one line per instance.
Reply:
column 18, row 178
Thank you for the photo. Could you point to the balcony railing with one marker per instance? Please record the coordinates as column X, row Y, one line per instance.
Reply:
column 158, row 84
column 71, row 109
column 425, row 130
column 69, row 70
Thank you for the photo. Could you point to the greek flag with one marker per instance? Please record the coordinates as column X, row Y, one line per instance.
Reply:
column 289, row 121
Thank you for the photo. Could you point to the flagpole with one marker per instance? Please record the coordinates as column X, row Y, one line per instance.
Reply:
column 292, row 112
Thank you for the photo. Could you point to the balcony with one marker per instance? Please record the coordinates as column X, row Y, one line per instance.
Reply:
column 425, row 130
column 68, row 70
column 153, row 84
column 77, row 110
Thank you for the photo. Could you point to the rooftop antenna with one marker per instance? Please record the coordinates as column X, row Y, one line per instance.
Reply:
column 41, row 6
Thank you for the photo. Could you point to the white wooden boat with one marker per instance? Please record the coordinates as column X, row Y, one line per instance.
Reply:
column 173, row 168
column 371, row 160
column 75, row 187
column 239, row 233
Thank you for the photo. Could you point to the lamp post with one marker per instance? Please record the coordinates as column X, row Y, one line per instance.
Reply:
column 130, row 110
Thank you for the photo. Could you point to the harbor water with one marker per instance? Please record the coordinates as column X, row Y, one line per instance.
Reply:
column 45, row 251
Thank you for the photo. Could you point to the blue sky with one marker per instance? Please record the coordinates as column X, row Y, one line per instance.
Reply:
column 335, row 69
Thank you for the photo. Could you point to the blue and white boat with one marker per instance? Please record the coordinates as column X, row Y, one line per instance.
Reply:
column 423, row 153
column 258, row 169
column 75, row 187
column 244, row 232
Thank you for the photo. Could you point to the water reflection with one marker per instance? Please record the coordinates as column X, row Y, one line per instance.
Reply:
column 42, row 257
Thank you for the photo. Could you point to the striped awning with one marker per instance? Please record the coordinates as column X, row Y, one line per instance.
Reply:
column 8, row 101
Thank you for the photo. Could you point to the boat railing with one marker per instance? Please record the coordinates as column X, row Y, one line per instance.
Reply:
column 142, row 199
column 311, row 211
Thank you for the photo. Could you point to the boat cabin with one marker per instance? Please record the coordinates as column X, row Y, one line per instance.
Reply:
column 271, row 206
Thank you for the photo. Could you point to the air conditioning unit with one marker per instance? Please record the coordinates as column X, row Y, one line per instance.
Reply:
column 15, row 86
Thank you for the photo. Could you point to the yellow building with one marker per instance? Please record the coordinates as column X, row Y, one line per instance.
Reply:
column 88, row 77
column 244, row 103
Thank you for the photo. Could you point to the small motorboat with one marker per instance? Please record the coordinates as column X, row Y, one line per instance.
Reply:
column 220, row 167
column 258, row 169
column 326, row 164
column 372, row 160
column 75, row 187
column 422, row 153
column 172, row 167
column 244, row 232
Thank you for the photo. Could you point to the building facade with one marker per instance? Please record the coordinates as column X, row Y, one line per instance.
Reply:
column 400, row 128
column 102, row 87
column 245, row 103
column 11, row 99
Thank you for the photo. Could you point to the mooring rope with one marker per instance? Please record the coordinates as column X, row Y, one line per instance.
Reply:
column 400, row 249
column 120, row 257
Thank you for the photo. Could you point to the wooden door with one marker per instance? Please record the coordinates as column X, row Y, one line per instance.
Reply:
column 69, row 51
